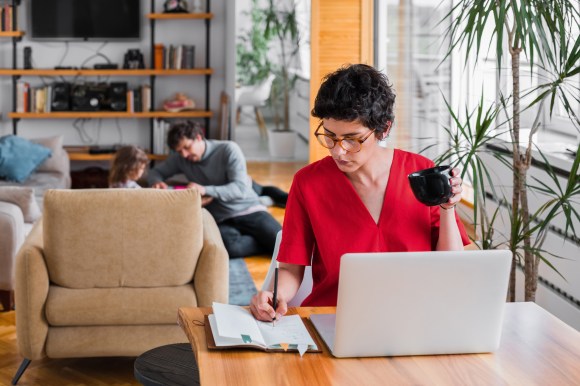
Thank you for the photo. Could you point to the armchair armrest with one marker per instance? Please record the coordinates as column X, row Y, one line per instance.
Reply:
column 32, row 283
column 11, row 238
column 211, row 277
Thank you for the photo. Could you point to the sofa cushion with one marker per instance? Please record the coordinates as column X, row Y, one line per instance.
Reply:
column 19, row 157
column 108, row 238
column 54, row 162
column 24, row 198
column 116, row 306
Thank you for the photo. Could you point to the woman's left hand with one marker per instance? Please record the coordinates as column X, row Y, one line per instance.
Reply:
column 456, row 190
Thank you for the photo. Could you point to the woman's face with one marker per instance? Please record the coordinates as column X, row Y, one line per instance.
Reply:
column 349, row 162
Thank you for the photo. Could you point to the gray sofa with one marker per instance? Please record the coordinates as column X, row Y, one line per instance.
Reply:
column 18, row 212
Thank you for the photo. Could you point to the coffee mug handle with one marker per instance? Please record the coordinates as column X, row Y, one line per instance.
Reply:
column 446, row 179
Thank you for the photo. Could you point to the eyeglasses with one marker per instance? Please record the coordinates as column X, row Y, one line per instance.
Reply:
column 350, row 145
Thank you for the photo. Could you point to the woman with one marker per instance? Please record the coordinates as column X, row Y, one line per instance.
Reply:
column 358, row 199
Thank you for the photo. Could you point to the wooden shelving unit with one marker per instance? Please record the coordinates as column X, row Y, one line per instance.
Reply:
column 112, row 114
column 204, row 112
column 76, row 154
column 179, row 16
column 11, row 34
column 120, row 72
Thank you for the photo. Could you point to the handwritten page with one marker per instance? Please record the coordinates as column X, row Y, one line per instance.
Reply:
column 289, row 329
column 234, row 325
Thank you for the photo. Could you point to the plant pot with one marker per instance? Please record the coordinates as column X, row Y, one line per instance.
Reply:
column 282, row 144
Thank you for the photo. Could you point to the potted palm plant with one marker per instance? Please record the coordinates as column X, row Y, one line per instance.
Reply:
column 546, row 33
column 282, row 27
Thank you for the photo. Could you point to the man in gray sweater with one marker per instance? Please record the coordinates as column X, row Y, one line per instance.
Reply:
column 217, row 169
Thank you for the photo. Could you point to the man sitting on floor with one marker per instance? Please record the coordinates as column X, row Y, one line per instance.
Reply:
column 217, row 169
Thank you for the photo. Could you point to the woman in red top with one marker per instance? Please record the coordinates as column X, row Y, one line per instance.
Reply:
column 358, row 199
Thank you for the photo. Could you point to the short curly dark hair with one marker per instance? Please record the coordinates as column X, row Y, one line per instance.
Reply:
column 183, row 129
column 356, row 92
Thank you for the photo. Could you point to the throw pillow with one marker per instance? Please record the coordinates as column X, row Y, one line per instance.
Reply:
column 19, row 157
column 53, row 163
column 24, row 198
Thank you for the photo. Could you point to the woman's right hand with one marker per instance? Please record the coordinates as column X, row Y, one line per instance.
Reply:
column 261, row 307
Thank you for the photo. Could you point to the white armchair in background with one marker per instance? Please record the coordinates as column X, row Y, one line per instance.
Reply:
column 305, row 287
column 255, row 96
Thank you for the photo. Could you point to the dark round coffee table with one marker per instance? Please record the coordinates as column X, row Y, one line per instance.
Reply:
column 170, row 365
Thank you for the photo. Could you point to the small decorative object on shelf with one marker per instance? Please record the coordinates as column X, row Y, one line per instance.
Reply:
column 175, row 6
column 179, row 103
column 197, row 6
column 133, row 59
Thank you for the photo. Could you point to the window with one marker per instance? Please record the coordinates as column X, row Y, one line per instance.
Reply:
column 409, row 48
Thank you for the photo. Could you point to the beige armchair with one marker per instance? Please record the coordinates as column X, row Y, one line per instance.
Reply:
column 105, row 270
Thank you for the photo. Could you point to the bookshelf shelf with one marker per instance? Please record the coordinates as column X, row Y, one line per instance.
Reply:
column 179, row 16
column 112, row 114
column 11, row 34
column 141, row 72
column 84, row 155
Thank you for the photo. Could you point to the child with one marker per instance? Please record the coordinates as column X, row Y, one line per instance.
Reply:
column 128, row 166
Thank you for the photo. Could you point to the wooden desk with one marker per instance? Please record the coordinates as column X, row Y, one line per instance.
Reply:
column 536, row 349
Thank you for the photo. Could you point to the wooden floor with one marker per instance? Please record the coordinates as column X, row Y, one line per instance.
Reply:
column 119, row 371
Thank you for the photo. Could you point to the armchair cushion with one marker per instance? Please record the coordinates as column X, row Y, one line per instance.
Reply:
column 77, row 257
column 100, row 306
column 22, row 197
column 19, row 157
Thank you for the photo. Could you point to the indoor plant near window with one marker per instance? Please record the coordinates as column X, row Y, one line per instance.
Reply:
column 276, row 40
column 546, row 32
column 252, row 62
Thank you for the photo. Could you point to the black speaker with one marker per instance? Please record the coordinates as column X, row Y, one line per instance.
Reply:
column 89, row 97
column 27, row 58
column 60, row 97
column 118, row 96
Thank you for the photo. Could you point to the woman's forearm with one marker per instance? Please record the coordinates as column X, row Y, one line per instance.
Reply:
column 289, row 280
column 449, row 235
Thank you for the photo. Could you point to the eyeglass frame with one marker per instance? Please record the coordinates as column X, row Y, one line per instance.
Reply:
column 339, row 141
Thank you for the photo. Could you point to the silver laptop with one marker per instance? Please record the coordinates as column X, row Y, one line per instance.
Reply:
column 417, row 303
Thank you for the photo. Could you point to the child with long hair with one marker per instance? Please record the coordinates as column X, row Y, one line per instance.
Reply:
column 128, row 166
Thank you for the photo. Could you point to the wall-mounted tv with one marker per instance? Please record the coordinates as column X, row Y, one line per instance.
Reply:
column 84, row 19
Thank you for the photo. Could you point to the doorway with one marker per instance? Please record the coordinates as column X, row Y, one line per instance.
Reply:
column 259, row 57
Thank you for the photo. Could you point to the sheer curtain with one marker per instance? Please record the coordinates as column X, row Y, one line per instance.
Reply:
column 409, row 48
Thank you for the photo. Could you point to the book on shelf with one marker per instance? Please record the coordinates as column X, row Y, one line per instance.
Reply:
column 7, row 13
column 233, row 326
column 175, row 57
column 145, row 98
column 130, row 100
column 160, row 129
column 158, row 56
column 22, row 97
column 137, row 103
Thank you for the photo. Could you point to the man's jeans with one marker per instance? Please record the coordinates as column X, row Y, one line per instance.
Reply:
column 252, row 234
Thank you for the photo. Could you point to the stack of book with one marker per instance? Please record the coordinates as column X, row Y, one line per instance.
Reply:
column 174, row 57
column 7, row 13
column 160, row 129
column 139, row 99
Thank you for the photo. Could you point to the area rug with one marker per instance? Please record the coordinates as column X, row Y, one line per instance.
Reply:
column 242, row 286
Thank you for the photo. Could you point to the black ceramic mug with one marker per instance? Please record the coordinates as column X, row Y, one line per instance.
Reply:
column 432, row 186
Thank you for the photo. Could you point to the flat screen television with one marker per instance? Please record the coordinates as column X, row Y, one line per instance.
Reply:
column 84, row 19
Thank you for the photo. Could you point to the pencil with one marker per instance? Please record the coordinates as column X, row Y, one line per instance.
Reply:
column 275, row 295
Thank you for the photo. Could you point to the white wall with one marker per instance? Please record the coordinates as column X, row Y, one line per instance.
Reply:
column 136, row 131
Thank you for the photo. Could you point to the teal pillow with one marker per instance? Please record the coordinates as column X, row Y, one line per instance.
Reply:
column 19, row 157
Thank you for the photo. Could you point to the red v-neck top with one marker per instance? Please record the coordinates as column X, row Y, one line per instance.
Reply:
column 325, row 218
